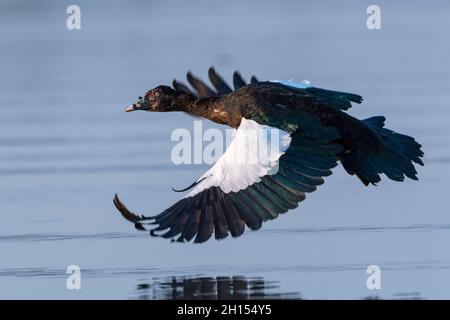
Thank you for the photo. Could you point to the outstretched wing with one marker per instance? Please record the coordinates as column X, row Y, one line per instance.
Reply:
column 201, row 89
column 238, row 191
column 337, row 99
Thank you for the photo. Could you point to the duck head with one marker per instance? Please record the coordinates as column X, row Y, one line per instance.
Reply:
column 160, row 99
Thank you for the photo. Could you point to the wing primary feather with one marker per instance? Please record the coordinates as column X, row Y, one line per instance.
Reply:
column 171, row 218
column 202, row 89
column 220, row 222
column 221, row 86
column 179, row 86
column 127, row 214
column 238, row 81
column 206, row 224
column 266, row 199
column 254, row 80
column 191, row 227
column 232, row 215
column 264, row 209
column 252, row 220
column 179, row 223
column 274, row 198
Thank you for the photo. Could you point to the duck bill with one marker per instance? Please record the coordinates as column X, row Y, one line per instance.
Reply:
column 137, row 106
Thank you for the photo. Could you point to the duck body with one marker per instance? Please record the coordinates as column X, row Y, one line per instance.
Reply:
column 279, row 106
column 313, row 130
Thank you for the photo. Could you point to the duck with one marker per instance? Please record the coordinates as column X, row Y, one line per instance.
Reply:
column 313, row 130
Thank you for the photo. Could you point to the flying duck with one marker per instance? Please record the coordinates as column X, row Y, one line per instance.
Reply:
column 313, row 133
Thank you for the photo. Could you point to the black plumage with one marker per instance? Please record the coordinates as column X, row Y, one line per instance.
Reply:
column 321, row 135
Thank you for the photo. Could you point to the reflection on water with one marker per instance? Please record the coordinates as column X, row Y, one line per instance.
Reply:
column 211, row 288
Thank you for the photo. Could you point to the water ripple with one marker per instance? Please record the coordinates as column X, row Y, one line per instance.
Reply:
column 414, row 227
column 38, row 237
column 88, row 169
column 209, row 270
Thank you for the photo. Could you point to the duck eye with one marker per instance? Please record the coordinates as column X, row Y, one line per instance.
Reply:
column 140, row 98
column 157, row 94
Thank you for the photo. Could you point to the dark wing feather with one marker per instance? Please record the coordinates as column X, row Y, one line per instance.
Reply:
column 127, row 214
column 218, row 83
column 201, row 89
column 179, row 86
column 301, row 170
column 238, row 81
column 336, row 99
column 339, row 100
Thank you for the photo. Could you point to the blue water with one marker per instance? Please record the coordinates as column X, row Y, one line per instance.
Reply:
column 66, row 147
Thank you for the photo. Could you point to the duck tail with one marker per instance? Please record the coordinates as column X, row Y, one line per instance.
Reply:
column 395, row 159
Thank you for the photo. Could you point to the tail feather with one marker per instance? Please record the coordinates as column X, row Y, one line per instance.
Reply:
column 395, row 159
column 362, row 167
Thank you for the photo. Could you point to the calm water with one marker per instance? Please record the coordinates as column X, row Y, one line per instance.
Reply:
column 66, row 147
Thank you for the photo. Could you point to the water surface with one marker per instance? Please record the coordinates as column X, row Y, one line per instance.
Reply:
column 66, row 147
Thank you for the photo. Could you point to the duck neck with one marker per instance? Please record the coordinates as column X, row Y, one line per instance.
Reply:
column 215, row 109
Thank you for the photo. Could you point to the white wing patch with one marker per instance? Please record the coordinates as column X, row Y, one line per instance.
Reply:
column 253, row 153
column 290, row 83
